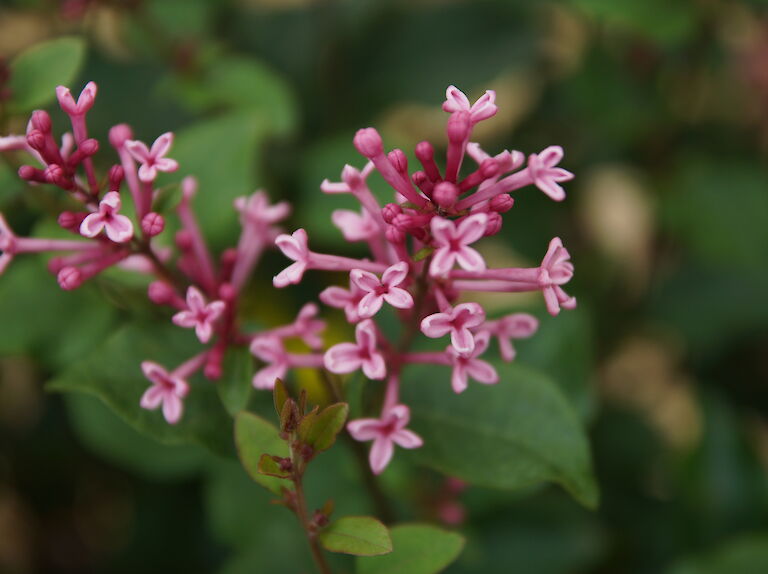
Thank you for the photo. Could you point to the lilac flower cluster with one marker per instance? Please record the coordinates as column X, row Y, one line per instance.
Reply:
column 423, row 263
column 203, row 292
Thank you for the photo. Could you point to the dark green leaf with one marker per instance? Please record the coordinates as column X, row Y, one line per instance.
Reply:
column 319, row 430
column 270, row 467
column 358, row 535
column 254, row 437
column 279, row 395
column 745, row 555
column 417, row 549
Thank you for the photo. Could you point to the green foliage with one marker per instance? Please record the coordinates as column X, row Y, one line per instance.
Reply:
column 270, row 467
column 254, row 437
column 747, row 554
column 514, row 434
column 417, row 549
column 37, row 72
column 319, row 429
column 357, row 535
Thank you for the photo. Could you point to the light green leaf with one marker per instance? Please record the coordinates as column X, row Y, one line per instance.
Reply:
column 358, row 535
column 319, row 430
column 417, row 549
column 37, row 72
column 514, row 434
column 270, row 467
column 254, row 437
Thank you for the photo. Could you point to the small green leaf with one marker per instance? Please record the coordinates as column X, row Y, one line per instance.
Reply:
column 358, row 535
column 270, row 467
column 319, row 430
column 279, row 395
column 423, row 253
column 254, row 437
column 417, row 549
column 37, row 72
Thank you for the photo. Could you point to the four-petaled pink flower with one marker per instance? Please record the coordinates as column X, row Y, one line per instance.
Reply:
column 355, row 226
column 152, row 160
column 341, row 298
column 255, row 209
column 452, row 242
column 84, row 100
column 458, row 322
column 269, row 349
column 385, row 433
column 199, row 315
column 556, row 270
column 347, row 357
column 118, row 227
column 482, row 109
column 167, row 389
column 468, row 365
column 307, row 326
column 515, row 326
column 546, row 175
column 379, row 290
column 294, row 247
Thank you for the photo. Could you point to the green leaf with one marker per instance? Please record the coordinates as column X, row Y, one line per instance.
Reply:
column 358, row 535
column 279, row 396
column 37, row 72
column 417, row 549
column 423, row 253
column 112, row 372
column 270, row 467
column 319, row 430
column 235, row 388
column 254, row 437
column 745, row 555
column 514, row 434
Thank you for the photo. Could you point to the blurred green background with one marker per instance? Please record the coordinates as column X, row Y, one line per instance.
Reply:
column 662, row 108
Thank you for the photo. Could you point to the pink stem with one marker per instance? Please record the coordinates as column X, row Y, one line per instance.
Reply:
column 313, row 361
column 515, row 274
column 191, row 366
column 199, row 247
column 339, row 263
column 505, row 185
column 36, row 245
column 433, row 358
column 80, row 130
column 496, row 286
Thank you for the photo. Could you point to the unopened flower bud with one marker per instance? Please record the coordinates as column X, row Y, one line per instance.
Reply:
column 394, row 235
column 160, row 293
column 424, row 151
column 69, row 278
column 390, row 211
column 119, row 134
column 458, row 126
column 29, row 173
column 88, row 147
column 368, row 142
column 398, row 160
column 71, row 221
column 501, row 203
column 445, row 194
column 184, row 240
column 36, row 139
column 41, row 120
column 55, row 174
column 493, row 226
column 489, row 168
column 116, row 176
column 152, row 224
column 227, row 292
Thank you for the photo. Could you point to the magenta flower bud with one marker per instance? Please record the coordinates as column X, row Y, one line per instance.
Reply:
column 160, row 293
column 41, row 121
column 88, row 147
column 36, row 139
column 69, row 278
column 368, row 142
column 55, row 174
column 425, row 151
column 399, row 160
column 501, row 203
column 228, row 260
column 390, row 211
column 227, row 292
column 445, row 194
column 212, row 371
column 71, row 221
column 152, row 224
column 116, row 176
column 490, row 168
column 119, row 134
column 494, row 224
column 84, row 101
column 394, row 235
column 459, row 126
column 184, row 240
column 419, row 178
column 29, row 173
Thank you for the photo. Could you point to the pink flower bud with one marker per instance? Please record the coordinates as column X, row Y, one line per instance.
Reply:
column 184, row 240
column 36, row 139
column 71, row 221
column 398, row 160
column 29, row 173
column 390, row 211
column 160, row 293
column 116, row 176
column 55, row 174
column 445, row 194
column 425, row 151
column 490, row 168
column 494, row 224
column 459, row 126
column 41, row 121
column 84, row 101
column 152, row 224
column 69, row 278
column 368, row 142
column 394, row 235
column 501, row 203
column 89, row 147
column 119, row 134
column 227, row 292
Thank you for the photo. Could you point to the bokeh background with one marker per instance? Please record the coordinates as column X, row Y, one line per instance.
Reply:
column 662, row 108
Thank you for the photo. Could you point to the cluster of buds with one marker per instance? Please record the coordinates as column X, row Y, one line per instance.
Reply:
column 202, row 291
column 423, row 263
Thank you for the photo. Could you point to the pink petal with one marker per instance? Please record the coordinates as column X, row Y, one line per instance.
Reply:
column 268, row 348
column 472, row 228
column 395, row 274
column 162, row 145
column 265, row 378
column 482, row 372
column 469, row 315
column 154, row 372
column 119, row 229
column 407, row 439
column 443, row 230
column 364, row 429
column 166, row 164
column 293, row 246
column 215, row 309
column 520, row 325
column 152, row 397
column 369, row 305
column 365, row 280
column 552, row 189
column 195, row 299
column 374, row 367
column 172, row 409
column 147, row 173
column 550, row 298
column 399, row 298
column 353, row 226
column 442, row 262
column 463, row 341
column 381, row 453
column 92, row 225
column 436, row 325
column 400, row 415
column 365, row 335
column 482, row 340
column 459, row 379
column 335, row 297
column 111, row 199
column 455, row 100
column 470, row 259
column 138, row 150
column 291, row 275
column 204, row 330
column 186, row 319
column 342, row 358
column 506, row 349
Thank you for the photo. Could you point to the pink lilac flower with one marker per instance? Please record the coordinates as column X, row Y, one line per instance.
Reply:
column 348, row 357
column 467, row 365
column 385, row 432
column 379, row 290
column 452, row 242
column 514, row 326
column 84, row 102
column 152, row 159
column 199, row 315
column 294, row 247
column 118, row 227
column 355, row 226
column 341, row 298
column 459, row 322
column 457, row 101
column 271, row 350
column 168, row 390
column 546, row 175
column 556, row 270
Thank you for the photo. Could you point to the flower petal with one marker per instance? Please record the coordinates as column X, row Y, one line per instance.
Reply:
column 381, row 453
column 399, row 298
column 407, row 439
column 342, row 358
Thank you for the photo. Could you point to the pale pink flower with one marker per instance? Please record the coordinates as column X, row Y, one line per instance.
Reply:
column 307, row 326
column 84, row 101
column 352, row 180
column 347, row 357
column 152, row 160
column 515, row 326
column 457, row 101
column 385, row 432
column 341, row 298
column 355, row 226
column 256, row 210
column 556, row 270
column 271, row 350
column 199, row 315
column 452, row 242
column 167, row 389
column 468, row 365
column 545, row 174
column 118, row 227
column 294, row 247
column 458, row 321
column 379, row 290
